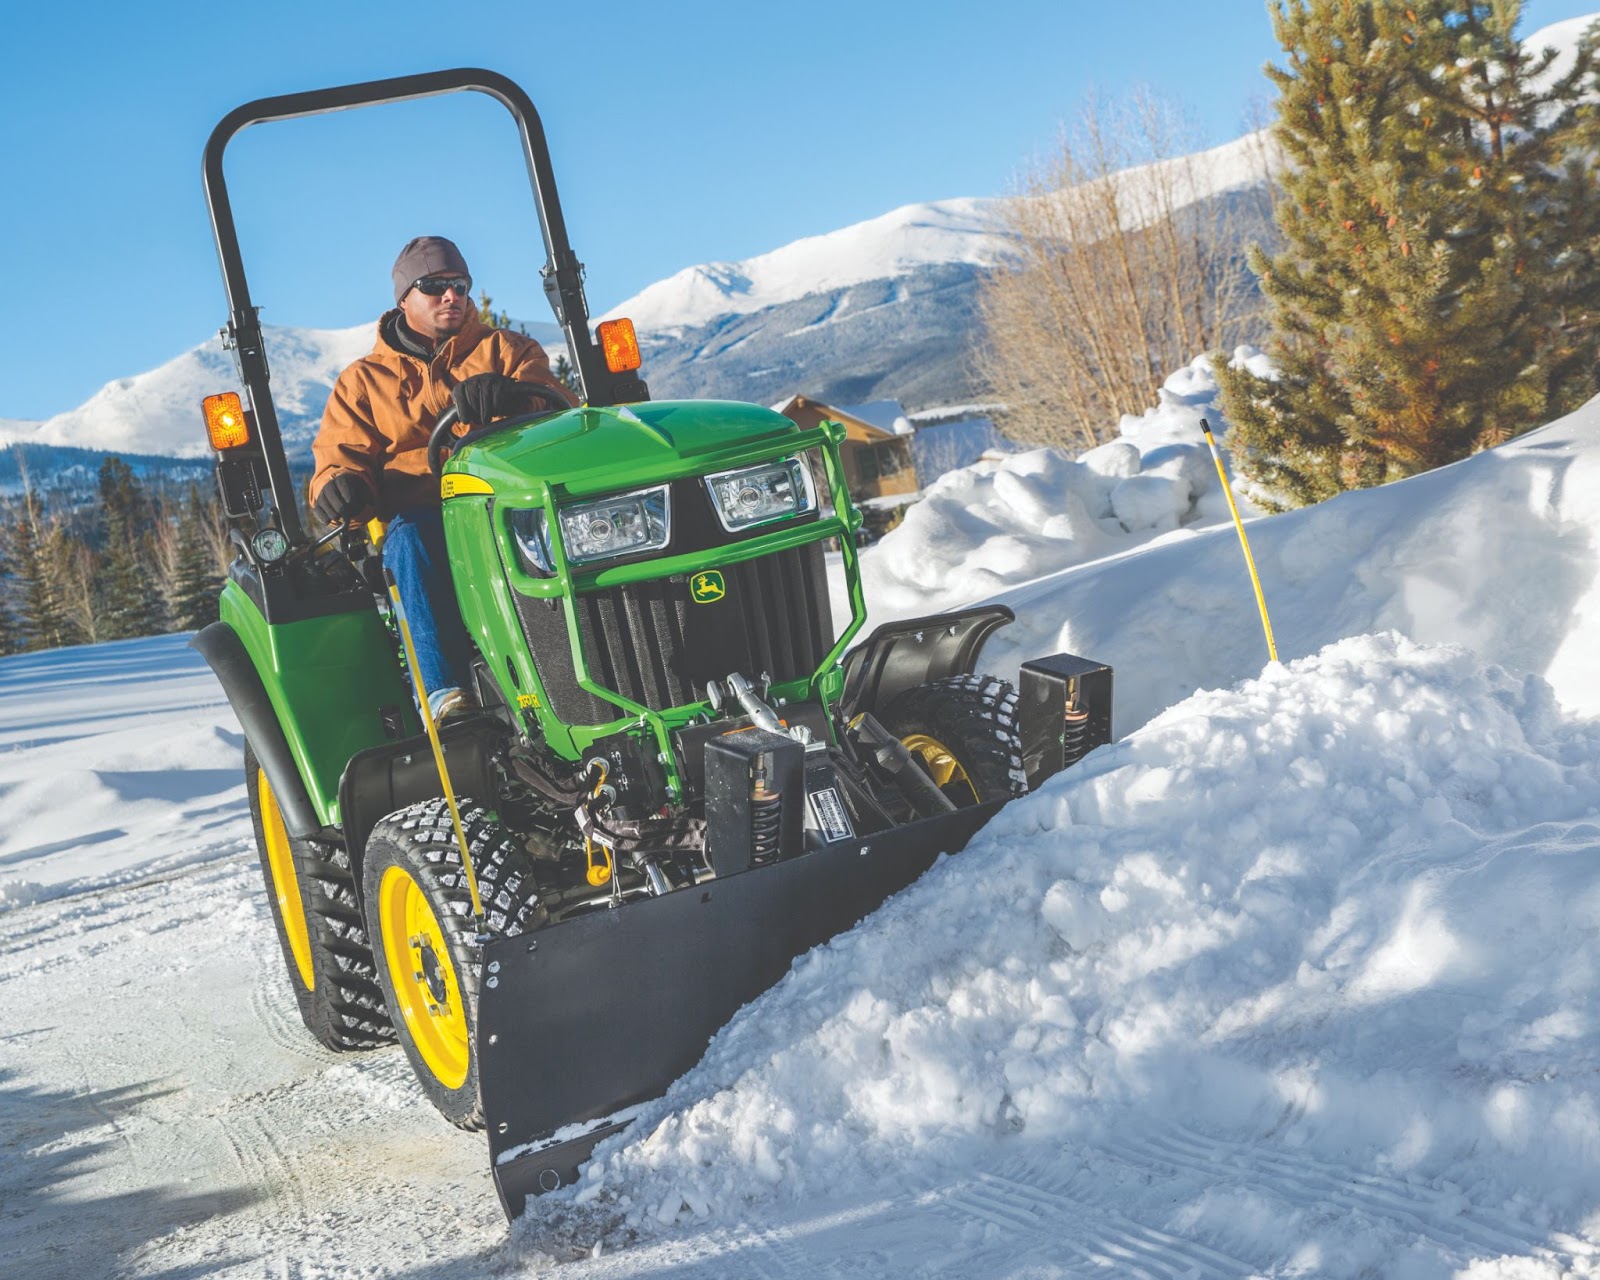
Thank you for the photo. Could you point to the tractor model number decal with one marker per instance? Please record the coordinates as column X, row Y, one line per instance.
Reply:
column 707, row 587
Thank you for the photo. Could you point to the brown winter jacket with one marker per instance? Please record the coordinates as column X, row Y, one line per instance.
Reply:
column 383, row 408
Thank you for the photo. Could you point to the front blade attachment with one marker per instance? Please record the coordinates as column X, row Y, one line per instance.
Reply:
column 581, row 1022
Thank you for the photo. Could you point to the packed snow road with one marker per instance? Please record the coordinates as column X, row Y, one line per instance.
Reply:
column 1297, row 979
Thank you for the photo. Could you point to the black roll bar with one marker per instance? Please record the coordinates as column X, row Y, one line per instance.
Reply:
column 562, row 272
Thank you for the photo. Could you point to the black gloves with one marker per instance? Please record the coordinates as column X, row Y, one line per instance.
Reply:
column 345, row 497
column 484, row 397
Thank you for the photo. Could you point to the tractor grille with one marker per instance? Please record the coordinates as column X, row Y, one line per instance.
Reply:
column 653, row 644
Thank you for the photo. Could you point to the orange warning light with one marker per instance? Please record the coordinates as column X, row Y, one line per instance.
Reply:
column 620, row 344
column 225, row 420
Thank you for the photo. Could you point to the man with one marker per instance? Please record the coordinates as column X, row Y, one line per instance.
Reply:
column 372, row 449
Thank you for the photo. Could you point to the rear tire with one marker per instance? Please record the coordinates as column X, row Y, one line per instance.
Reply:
column 318, row 923
column 964, row 731
column 429, row 965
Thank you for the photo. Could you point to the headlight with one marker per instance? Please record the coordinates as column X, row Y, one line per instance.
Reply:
column 624, row 525
column 532, row 536
column 270, row 545
column 755, row 495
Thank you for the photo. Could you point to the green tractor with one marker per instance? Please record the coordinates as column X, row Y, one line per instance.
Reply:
column 683, row 775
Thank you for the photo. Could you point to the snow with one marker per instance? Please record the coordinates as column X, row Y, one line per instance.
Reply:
column 998, row 523
column 885, row 247
column 1296, row 978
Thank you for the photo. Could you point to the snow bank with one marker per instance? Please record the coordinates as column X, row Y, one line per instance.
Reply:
column 998, row 523
column 1352, row 902
column 1499, row 552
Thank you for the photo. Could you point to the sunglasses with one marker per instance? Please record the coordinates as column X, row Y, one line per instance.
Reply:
column 434, row 286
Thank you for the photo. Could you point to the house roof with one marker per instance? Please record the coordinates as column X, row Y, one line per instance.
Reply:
column 808, row 412
column 886, row 415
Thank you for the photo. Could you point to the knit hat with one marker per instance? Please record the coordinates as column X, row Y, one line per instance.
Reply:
column 426, row 256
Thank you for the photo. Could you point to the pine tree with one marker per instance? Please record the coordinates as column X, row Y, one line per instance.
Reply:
column 1435, row 293
column 34, row 550
column 11, row 634
column 196, row 584
column 130, row 601
column 567, row 374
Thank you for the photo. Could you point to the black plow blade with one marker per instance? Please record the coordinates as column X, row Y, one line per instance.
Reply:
column 582, row 1022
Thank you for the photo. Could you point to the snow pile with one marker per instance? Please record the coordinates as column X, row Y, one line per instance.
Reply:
column 1001, row 522
column 1352, row 902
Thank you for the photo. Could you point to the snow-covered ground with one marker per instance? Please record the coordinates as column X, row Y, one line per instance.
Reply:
column 1296, row 979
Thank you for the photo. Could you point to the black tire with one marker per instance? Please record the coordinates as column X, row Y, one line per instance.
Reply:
column 314, row 912
column 433, row 999
column 974, row 718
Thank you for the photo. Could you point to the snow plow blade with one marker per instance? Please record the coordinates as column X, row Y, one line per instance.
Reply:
column 581, row 1022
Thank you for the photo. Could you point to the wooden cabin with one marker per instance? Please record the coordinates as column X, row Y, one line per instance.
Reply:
column 877, row 461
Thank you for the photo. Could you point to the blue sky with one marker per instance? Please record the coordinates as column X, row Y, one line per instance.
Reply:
column 681, row 132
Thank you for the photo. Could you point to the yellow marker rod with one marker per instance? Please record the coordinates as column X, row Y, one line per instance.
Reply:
column 438, row 751
column 1250, row 560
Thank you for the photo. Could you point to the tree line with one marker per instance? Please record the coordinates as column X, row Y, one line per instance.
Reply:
column 137, row 561
column 1427, row 280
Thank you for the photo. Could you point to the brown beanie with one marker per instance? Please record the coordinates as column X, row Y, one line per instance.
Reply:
column 426, row 256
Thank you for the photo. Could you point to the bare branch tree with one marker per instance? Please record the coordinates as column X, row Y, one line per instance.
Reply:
column 1128, row 263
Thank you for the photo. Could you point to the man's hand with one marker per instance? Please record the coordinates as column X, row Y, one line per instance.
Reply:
column 484, row 397
column 343, row 498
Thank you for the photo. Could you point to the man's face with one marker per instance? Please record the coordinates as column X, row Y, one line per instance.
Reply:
column 437, row 317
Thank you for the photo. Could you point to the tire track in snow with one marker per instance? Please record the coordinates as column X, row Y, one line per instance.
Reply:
column 1014, row 1200
column 274, row 1006
column 1304, row 1180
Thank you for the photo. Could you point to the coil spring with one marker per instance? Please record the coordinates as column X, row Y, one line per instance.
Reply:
column 1074, row 737
column 766, row 824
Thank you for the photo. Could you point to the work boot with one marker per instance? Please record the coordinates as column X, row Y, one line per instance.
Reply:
column 444, row 703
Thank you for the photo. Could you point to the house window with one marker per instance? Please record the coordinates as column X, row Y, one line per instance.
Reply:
column 867, row 463
column 889, row 461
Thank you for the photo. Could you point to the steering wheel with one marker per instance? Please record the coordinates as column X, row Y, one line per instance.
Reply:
column 442, row 437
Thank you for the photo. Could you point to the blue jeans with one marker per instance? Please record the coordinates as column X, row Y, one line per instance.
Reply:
column 414, row 552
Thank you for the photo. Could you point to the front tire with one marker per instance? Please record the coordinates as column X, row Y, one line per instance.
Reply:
column 314, row 913
column 429, row 961
column 964, row 732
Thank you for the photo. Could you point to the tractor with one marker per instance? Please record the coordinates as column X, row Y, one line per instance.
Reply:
column 683, row 773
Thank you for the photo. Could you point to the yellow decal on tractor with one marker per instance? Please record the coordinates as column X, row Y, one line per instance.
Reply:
column 707, row 587
column 459, row 486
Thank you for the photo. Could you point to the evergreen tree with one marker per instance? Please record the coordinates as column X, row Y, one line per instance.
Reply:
column 33, row 551
column 196, row 583
column 496, row 319
column 1436, row 291
column 130, row 601
column 11, row 634
column 567, row 374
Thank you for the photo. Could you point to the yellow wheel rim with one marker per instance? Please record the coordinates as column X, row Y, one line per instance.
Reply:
column 425, row 985
column 940, row 760
column 285, row 884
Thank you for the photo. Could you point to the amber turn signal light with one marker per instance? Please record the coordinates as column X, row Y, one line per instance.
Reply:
column 620, row 344
column 225, row 420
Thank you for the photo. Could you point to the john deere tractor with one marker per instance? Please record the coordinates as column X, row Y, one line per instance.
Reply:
column 683, row 774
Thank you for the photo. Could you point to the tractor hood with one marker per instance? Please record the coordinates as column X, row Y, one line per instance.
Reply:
column 597, row 450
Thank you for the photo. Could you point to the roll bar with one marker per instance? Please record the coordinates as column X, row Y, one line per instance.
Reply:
column 562, row 272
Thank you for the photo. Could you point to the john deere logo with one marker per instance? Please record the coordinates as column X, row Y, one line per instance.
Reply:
column 707, row 587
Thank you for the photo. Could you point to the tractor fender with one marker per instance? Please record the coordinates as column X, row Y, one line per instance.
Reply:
column 220, row 646
column 393, row 775
column 901, row 655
